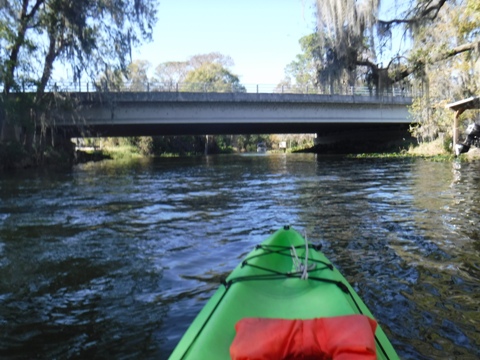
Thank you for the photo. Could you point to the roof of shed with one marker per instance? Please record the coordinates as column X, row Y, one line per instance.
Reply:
column 466, row 104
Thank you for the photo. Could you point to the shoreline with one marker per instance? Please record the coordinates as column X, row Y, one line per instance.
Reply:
column 54, row 158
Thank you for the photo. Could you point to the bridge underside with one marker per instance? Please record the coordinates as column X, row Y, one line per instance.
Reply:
column 354, row 129
column 330, row 138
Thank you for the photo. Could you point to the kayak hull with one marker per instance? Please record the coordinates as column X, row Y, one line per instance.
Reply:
column 269, row 284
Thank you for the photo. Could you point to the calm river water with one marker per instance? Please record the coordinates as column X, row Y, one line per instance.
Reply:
column 113, row 260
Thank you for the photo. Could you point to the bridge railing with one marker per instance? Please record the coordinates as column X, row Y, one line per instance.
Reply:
column 133, row 86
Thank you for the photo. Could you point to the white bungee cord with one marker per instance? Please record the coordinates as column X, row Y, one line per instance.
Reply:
column 299, row 267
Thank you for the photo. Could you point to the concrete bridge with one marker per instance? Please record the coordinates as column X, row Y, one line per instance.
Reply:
column 185, row 113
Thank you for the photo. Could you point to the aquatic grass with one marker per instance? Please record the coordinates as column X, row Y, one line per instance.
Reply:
column 122, row 152
column 168, row 155
column 432, row 148
column 404, row 155
column 436, row 151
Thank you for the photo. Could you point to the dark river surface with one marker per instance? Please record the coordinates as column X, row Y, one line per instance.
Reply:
column 113, row 260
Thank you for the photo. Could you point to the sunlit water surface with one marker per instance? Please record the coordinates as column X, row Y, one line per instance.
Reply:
column 114, row 260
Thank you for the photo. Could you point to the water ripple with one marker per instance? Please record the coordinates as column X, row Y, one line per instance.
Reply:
column 116, row 259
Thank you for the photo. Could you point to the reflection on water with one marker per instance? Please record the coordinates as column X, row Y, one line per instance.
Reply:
column 114, row 260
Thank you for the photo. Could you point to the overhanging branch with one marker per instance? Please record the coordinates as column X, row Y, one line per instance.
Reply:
column 460, row 49
column 429, row 12
column 400, row 75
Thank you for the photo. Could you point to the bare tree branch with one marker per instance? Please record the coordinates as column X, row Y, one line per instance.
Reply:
column 427, row 13
column 415, row 66
column 460, row 49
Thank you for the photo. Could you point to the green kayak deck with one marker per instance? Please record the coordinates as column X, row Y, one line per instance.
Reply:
column 268, row 284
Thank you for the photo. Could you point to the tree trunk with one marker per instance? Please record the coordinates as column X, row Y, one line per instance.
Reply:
column 7, row 130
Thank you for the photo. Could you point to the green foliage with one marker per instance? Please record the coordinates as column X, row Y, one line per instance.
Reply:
column 137, row 78
column 145, row 145
column 346, row 32
column 200, row 73
column 224, row 143
column 182, row 145
column 203, row 73
column 248, row 142
column 212, row 77
column 12, row 154
column 110, row 81
column 449, row 78
column 303, row 70
column 173, row 146
column 19, row 110
column 439, row 56
column 87, row 36
column 168, row 75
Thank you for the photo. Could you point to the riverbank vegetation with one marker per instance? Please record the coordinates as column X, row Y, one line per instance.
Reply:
column 172, row 146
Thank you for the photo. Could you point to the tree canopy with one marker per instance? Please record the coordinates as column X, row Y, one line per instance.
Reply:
column 301, row 72
column 212, row 77
column 201, row 72
column 87, row 36
column 356, row 35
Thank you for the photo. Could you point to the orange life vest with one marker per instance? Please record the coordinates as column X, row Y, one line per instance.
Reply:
column 349, row 337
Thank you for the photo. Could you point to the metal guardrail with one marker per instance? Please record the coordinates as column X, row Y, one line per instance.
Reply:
column 88, row 87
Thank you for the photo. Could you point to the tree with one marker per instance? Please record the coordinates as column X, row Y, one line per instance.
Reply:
column 212, row 77
column 91, row 36
column 86, row 35
column 444, row 44
column 168, row 75
column 137, row 76
column 197, row 61
column 357, row 36
column 303, row 69
column 202, row 72
column 448, row 74
column 345, row 31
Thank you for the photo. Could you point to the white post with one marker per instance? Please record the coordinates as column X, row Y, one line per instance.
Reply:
column 455, row 124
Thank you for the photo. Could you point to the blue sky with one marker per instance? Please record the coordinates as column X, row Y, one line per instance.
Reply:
column 261, row 36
